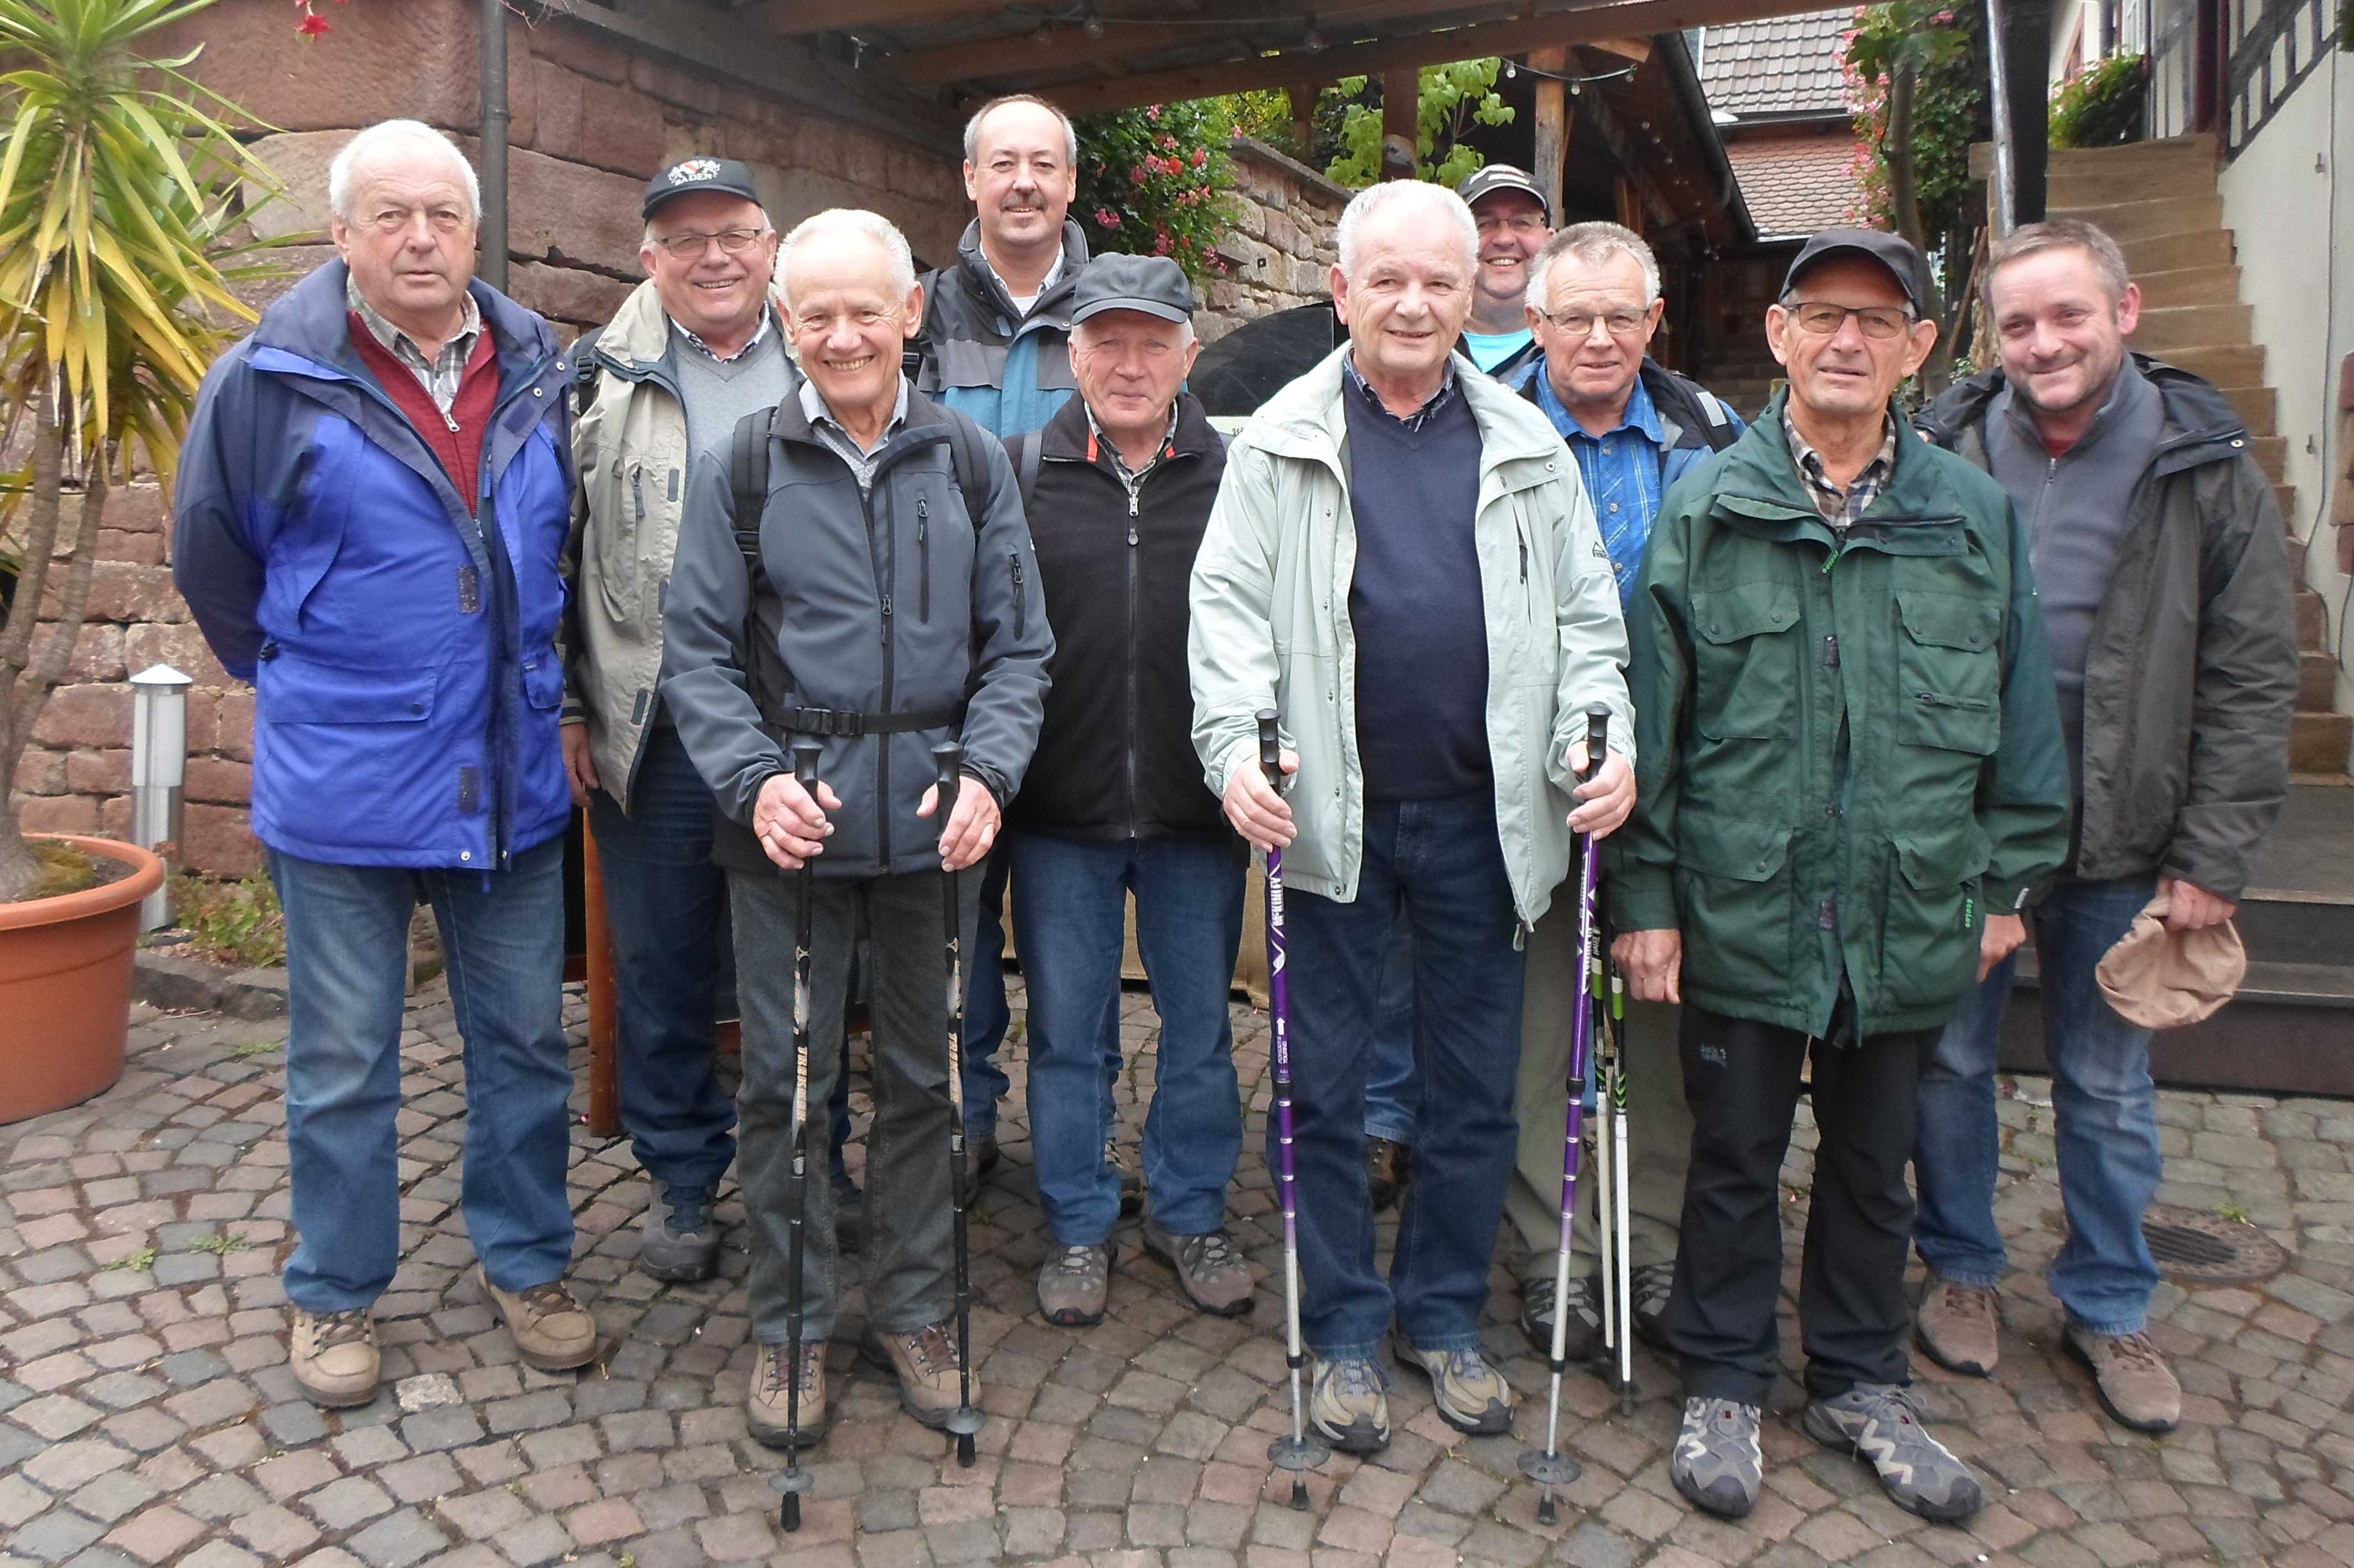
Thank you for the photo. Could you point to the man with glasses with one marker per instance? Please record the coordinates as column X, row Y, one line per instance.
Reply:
column 1514, row 224
column 1635, row 429
column 694, row 349
column 1850, row 779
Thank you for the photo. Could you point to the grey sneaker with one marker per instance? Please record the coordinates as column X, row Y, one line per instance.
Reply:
column 1958, row 1326
column 1472, row 1395
column 1072, row 1285
column 1653, row 1284
column 678, row 1239
column 1348, row 1405
column 1585, row 1316
column 1880, row 1423
column 2132, row 1378
column 1717, row 1465
column 1131, row 1184
column 1209, row 1270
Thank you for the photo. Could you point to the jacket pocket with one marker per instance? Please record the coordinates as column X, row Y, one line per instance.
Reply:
column 1931, row 918
column 302, row 691
column 923, row 559
column 1021, row 598
column 1734, row 878
column 1746, row 656
column 618, row 525
column 1949, row 671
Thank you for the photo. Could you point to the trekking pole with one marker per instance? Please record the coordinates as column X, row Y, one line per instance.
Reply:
column 1297, row 1452
column 795, row 1480
column 1551, row 1467
column 1612, row 1207
column 964, row 1420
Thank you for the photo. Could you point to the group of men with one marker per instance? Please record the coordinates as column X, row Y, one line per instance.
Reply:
column 794, row 492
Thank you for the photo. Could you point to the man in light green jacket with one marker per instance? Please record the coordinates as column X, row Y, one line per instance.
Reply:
column 1402, row 563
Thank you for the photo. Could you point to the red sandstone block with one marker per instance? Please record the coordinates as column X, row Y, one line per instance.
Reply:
column 57, row 815
column 85, row 716
column 577, row 49
column 143, row 549
column 97, row 655
column 215, row 841
column 559, row 122
column 106, row 771
column 620, row 130
column 233, row 734
column 41, row 771
column 136, row 509
column 182, row 646
column 216, row 780
column 418, row 58
column 203, row 722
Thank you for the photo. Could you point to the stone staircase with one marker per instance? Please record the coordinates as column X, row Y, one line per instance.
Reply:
column 2157, row 200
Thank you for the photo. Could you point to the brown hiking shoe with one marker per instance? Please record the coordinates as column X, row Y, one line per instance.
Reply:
column 1385, row 1171
column 1210, row 1268
column 333, row 1355
column 764, row 1405
column 552, row 1331
column 925, row 1362
column 2132, row 1378
column 1959, row 1325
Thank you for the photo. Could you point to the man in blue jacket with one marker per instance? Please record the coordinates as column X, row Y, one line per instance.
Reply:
column 370, row 507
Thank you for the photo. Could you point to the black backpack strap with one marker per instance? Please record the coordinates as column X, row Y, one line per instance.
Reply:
column 1720, row 432
column 971, row 469
column 747, row 477
column 585, row 371
column 1022, row 451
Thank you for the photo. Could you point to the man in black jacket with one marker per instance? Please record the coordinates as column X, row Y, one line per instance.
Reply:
column 2162, row 569
column 1121, row 483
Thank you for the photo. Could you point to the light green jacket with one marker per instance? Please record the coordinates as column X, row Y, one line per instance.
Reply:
column 1271, row 628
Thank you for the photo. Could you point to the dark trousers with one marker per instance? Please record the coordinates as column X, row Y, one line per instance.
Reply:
column 1741, row 1079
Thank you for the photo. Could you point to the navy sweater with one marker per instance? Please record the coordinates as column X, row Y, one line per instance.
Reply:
column 1421, row 637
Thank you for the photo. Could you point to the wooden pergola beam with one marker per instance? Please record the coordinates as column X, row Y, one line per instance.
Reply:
column 792, row 18
column 1579, row 24
column 986, row 58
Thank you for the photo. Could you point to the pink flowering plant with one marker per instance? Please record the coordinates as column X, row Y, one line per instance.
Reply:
column 1153, row 182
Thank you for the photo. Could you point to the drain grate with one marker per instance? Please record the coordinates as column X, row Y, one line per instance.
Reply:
column 2190, row 1245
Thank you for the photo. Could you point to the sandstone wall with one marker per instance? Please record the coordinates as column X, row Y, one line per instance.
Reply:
column 1282, row 253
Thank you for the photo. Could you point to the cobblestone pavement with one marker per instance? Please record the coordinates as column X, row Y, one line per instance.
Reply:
column 146, row 1414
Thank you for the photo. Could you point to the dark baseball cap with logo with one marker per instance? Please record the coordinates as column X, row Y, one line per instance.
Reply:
column 1490, row 178
column 1153, row 284
column 699, row 174
column 1892, row 251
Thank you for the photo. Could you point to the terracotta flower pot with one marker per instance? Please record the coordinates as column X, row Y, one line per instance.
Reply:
column 65, row 985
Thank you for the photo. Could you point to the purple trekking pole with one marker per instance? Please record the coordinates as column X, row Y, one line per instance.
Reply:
column 1297, row 1452
column 1551, row 1467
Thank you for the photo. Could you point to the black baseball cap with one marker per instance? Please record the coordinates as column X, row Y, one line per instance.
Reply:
column 700, row 173
column 1153, row 284
column 1490, row 178
column 1892, row 251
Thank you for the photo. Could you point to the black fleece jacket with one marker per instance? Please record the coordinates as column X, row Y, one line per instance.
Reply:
column 1114, row 757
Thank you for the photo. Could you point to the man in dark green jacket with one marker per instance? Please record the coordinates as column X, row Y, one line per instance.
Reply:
column 2165, row 577
column 1849, row 778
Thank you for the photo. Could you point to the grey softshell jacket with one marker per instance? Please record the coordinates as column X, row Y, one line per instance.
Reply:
column 892, row 602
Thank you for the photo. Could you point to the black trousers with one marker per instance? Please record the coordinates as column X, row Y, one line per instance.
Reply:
column 1741, row 1079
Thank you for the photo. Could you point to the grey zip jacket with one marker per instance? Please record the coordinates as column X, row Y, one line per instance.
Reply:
column 892, row 603
column 1271, row 628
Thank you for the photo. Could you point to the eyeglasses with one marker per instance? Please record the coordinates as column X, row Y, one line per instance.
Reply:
column 689, row 245
column 1578, row 324
column 1519, row 223
column 1820, row 318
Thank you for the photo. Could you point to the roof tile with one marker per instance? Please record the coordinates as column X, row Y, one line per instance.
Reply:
column 1782, row 65
column 1796, row 184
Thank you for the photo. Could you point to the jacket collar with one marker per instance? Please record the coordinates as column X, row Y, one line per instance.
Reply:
column 1759, row 468
column 313, row 323
column 2197, row 424
column 637, row 342
column 1064, row 436
column 1307, row 418
column 1054, row 306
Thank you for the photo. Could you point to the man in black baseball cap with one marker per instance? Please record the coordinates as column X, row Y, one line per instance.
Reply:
column 1892, row 251
column 1514, row 220
column 725, row 175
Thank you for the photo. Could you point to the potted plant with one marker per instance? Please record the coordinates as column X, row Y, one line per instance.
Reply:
column 117, row 209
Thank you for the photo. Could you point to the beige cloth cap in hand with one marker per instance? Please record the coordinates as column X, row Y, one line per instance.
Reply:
column 2161, row 978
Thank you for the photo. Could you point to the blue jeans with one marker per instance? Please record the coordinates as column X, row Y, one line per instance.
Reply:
column 987, row 1015
column 1069, row 898
column 1390, row 1091
column 1442, row 859
column 664, row 907
column 2102, row 1101
column 347, row 974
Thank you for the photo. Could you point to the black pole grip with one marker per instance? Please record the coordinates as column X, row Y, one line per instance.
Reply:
column 805, row 762
column 948, row 764
column 1270, row 750
column 1597, row 737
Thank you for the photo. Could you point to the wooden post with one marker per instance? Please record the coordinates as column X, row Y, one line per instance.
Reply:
column 1400, row 124
column 604, row 1012
column 1553, row 126
column 1303, row 119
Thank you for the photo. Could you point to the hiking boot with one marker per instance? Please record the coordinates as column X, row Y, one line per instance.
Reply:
column 1472, row 1395
column 1386, row 1160
column 678, row 1238
column 333, row 1355
column 1880, row 1425
column 1717, row 1465
column 1131, row 1184
column 552, row 1331
column 1209, row 1270
column 1072, row 1285
column 849, row 1216
column 1957, row 1326
column 1584, row 1336
column 925, row 1362
column 981, row 1151
column 764, row 1405
column 1348, row 1405
column 1653, row 1284
column 2136, row 1386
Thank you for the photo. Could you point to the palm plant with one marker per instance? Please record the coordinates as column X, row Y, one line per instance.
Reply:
column 118, row 209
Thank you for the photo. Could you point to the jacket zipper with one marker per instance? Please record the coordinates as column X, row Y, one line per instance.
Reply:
column 883, row 751
column 923, row 561
column 1134, row 567
column 1021, row 619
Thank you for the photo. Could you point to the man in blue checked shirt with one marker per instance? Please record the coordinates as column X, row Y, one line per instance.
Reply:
column 1635, row 428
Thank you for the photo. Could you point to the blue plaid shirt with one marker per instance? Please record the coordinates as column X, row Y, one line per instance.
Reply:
column 1622, row 470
